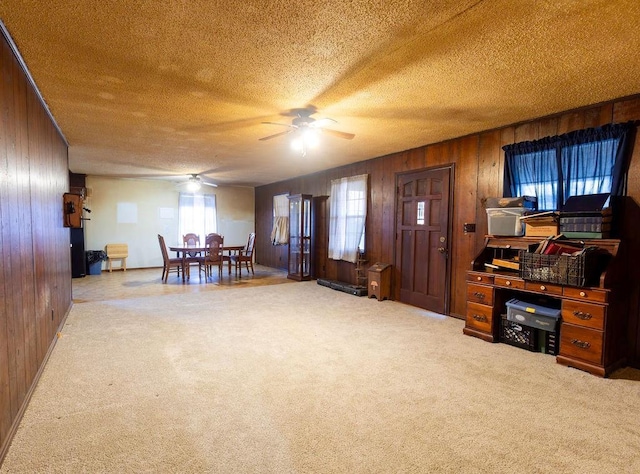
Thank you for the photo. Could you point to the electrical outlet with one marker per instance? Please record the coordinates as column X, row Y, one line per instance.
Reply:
column 469, row 228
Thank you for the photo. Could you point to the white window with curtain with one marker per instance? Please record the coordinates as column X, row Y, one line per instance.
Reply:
column 197, row 214
column 347, row 216
column 280, row 230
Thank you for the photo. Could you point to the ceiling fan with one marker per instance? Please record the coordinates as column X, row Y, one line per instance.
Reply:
column 196, row 181
column 303, row 122
column 193, row 181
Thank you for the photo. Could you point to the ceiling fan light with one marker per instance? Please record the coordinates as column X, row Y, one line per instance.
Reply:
column 311, row 138
column 193, row 185
column 297, row 144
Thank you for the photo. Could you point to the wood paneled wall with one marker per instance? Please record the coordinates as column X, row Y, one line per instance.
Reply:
column 35, row 270
column 479, row 163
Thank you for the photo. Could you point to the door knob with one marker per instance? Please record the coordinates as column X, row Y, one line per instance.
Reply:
column 442, row 250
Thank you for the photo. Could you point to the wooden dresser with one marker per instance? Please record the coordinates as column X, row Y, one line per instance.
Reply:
column 592, row 328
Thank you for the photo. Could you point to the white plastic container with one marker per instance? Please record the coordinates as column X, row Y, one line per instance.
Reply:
column 506, row 221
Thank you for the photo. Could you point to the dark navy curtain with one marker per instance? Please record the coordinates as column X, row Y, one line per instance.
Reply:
column 590, row 161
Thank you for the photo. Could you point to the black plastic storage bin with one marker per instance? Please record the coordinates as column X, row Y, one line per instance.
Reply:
column 518, row 335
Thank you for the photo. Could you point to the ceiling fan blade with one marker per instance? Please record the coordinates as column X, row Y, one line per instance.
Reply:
column 207, row 182
column 322, row 122
column 203, row 173
column 274, row 136
column 337, row 133
column 144, row 176
column 281, row 124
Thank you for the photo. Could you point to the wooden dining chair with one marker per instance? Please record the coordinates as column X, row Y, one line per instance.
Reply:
column 213, row 256
column 245, row 255
column 169, row 263
column 193, row 240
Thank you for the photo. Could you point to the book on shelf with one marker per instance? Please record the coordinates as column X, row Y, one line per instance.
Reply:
column 504, row 263
column 560, row 248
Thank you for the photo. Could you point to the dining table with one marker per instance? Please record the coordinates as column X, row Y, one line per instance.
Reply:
column 183, row 251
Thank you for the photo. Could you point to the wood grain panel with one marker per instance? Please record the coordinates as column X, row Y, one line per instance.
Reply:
column 571, row 121
column 11, row 225
column 5, row 240
column 375, row 226
column 525, row 132
column 34, row 169
column 464, row 154
column 489, row 179
column 598, row 116
column 22, row 261
column 387, row 250
column 548, row 127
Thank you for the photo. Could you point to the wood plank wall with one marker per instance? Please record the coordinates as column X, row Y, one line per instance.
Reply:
column 479, row 165
column 35, row 269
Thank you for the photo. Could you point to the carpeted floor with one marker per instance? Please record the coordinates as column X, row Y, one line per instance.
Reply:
column 299, row 378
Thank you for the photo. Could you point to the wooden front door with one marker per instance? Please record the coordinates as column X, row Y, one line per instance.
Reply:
column 422, row 238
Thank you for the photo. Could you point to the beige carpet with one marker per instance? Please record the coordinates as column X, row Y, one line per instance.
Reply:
column 298, row 378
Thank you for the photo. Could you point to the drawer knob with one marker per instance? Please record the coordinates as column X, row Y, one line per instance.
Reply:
column 479, row 278
column 508, row 283
column 580, row 344
column 480, row 317
column 477, row 294
column 543, row 288
column 583, row 294
column 581, row 315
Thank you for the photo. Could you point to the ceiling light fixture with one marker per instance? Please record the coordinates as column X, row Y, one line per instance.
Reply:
column 194, row 184
column 304, row 140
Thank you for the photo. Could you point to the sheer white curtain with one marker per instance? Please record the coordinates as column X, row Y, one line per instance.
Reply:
column 197, row 214
column 348, row 213
column 280, row 231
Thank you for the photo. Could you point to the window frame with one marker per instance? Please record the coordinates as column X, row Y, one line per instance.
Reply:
column 562, row 164
column 347, row 217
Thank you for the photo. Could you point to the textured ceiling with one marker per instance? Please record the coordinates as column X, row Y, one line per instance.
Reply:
column 175, row 87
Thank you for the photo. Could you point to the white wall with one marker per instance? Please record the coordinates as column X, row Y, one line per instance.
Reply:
column 151, row 206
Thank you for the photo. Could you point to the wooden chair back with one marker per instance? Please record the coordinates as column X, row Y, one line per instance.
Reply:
column 214, row 244
column 163, row 248
column 191, row 239
column 248, row 251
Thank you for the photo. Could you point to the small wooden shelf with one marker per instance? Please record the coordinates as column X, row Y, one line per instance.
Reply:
column 361, row 270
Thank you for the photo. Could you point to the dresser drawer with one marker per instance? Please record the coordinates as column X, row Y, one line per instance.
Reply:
column 583, row 314
column 581, row 343
column 480, row 277
column 542, row 287
column 508, row 282
column 480, row 294
column 479, row 317
column 586, row 294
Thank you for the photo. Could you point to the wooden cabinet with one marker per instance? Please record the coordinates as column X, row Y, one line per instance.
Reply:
column 592, row 325
column 300, row 248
